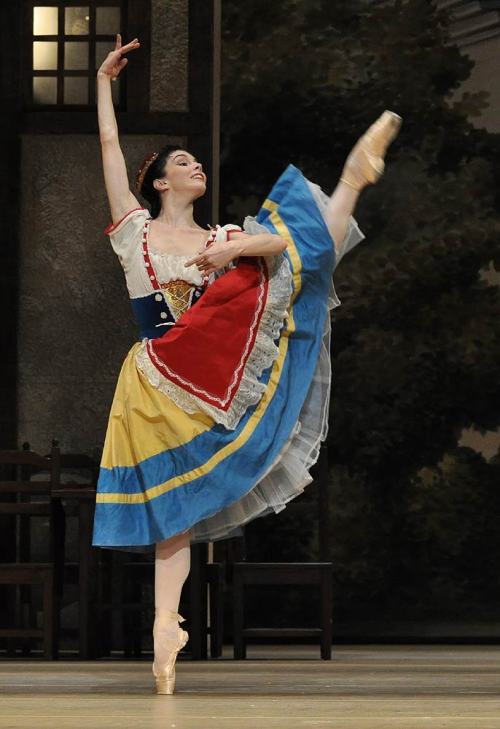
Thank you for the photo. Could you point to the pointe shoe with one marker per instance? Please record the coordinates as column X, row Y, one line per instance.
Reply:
column 165, row 679
column 365, row 164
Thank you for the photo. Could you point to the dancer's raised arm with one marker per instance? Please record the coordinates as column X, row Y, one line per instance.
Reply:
column 120, row 197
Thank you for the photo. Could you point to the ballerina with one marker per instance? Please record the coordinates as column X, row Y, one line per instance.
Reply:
column 221, row 406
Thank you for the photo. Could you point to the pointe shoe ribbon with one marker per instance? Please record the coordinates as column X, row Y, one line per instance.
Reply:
column 365, row 163
column 171, row 614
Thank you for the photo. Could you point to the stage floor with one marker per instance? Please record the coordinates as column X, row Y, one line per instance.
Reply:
column 362, row 687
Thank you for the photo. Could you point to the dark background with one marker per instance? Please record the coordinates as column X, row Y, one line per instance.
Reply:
column 415, row 532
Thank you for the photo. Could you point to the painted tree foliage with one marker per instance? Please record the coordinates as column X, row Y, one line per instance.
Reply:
column 416, row 341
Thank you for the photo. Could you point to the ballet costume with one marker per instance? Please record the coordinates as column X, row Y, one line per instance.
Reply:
column 222, row 404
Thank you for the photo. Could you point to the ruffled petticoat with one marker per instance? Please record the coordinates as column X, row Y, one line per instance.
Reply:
column 214, row 510
column 289, row 474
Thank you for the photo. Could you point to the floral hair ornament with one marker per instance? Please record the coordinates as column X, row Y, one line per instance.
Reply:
column 144, row 168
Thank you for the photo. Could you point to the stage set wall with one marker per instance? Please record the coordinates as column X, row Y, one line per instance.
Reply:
column 74, row 318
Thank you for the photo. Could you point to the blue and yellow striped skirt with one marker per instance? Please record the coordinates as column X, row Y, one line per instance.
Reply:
column 166, row 471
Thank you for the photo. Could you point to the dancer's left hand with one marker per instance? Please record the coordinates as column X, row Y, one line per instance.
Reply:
column 216, row 256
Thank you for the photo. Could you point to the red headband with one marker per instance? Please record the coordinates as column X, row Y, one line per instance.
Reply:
column 142, row 172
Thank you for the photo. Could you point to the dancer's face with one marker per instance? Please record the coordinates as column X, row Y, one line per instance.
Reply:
column 183, row 173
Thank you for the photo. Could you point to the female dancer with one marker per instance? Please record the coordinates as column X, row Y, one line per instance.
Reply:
column 221, row 407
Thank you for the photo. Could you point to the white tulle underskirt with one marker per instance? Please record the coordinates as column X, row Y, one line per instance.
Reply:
column 289, row 474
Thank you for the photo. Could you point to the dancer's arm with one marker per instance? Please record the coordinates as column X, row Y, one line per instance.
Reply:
column 220, row 254
column 260, row 244
column 120, row 197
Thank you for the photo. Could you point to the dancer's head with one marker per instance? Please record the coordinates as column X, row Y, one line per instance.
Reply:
column 171, row 171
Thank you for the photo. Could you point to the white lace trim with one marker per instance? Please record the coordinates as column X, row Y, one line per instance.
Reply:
column 262, row 356
column 227, row 395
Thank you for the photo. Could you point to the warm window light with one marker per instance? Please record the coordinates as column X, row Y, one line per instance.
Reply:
column 44, row 20
column 76, row 21
column 44, row 56
column 76, row 90
column 76, row 56
column 67, row 64
column 45, row 90
column 108, row 20
column 102, row 48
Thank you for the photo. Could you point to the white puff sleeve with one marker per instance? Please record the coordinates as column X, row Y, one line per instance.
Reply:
column 126, row 234
column 223, row 235
column 224, row 232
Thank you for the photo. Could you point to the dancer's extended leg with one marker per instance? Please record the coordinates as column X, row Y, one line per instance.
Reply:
column 364, row 166
column 172, row 565
column 338, row 211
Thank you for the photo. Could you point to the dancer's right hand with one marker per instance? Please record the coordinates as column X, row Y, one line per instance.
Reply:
column 114, row 63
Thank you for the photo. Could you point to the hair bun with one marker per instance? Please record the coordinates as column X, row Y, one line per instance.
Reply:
column 144, row 168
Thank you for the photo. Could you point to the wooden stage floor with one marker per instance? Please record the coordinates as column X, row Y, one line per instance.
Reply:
column 362, row 687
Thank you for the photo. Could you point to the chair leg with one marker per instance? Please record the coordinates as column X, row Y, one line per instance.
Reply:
column 87, row 579
column 326, row 616
column 56, row 622
column 48, row 616
column 220, row 610
column 26, row 604
column 28, row 616
column 137, row 636
column 239, row 646
column 216, row 611
column 198, row 602
column 127, row 617
column 103, row 631
column 58, row 559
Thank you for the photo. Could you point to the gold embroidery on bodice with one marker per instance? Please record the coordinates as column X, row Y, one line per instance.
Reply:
column 178, row 295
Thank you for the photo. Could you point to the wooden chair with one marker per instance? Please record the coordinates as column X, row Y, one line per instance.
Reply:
column 282, row 573
column 77, row 488
column 21, row 499
column 317, row 574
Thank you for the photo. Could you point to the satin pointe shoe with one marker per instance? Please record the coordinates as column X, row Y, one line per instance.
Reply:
column 165, row 677
column 365, row 163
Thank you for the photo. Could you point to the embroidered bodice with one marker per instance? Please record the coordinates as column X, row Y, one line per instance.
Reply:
column 160, row 286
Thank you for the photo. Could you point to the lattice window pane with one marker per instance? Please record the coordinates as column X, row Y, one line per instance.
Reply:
column 44, row 21
column 72, row 60
column 76, row 21
column 76, row 90
column 115, row 91
column 76, row 56
column 45, row 90
column 102, row 48
column 107, row 21
column 44, row 55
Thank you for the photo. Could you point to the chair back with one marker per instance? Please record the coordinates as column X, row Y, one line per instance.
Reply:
column 77, row 469
column 21, row 497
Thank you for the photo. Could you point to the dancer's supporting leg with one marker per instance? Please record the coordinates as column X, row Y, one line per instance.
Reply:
column 172, row 566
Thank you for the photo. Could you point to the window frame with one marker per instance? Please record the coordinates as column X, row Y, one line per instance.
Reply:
column 134, row 91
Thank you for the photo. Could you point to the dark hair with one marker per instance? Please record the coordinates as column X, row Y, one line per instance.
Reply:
column 156, row 169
